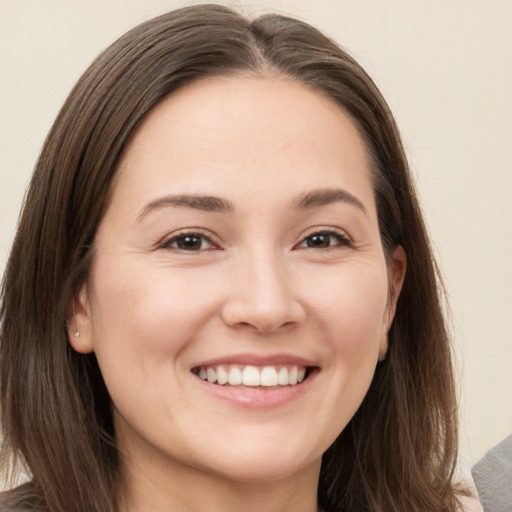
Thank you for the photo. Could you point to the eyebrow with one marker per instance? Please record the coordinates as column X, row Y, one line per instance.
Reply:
column 196, row 202
column 324, row 197
column 215, row 204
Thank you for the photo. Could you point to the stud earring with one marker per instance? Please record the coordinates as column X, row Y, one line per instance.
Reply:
column 77, row 333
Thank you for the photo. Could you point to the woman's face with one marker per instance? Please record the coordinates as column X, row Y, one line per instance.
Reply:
column 238, row 298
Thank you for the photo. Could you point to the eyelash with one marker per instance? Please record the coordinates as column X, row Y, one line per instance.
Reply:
column 341, row 240
column 175, row 239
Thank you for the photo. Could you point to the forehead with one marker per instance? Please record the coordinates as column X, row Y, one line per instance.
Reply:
column 248, row 134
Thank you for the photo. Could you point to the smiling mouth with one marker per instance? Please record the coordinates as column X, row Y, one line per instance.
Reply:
column 253, row 376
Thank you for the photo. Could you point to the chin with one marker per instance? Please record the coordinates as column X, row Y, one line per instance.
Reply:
column 266, row 469
column 263, row 462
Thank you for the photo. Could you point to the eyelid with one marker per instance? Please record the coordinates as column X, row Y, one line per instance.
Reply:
column 342, row 235
column 165, row 243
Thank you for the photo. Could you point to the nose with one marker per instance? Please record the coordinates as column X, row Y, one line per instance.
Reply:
column 261, row 296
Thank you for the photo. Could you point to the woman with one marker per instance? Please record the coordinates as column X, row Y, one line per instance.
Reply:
column 207, row 302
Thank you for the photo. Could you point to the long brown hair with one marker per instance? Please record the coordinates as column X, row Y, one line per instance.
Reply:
column 397, row 453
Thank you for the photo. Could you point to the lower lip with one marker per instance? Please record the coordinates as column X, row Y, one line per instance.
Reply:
column 258, row 397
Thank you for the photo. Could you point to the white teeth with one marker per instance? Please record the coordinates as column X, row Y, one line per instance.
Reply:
column 211, row 375
column 282, row 378
column 252, row 376
column 235, row 376
column 222, row 375
column 269, row 376
column 292, row 375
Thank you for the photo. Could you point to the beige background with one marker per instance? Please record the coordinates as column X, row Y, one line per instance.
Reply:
column 445, row 67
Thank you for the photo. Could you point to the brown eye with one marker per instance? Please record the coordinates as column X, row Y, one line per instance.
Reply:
column 324, row 240
column 319, row 241
column 189, row 242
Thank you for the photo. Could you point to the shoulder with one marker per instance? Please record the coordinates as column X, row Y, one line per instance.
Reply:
column 20, row 499
column 493, row 477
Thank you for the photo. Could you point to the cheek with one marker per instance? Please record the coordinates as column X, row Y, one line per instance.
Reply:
column 351, row 305
column 346, row 310
column 358, row 321
column 350, row 320
column 146, row 303
column 143, row 322
column 143, row 319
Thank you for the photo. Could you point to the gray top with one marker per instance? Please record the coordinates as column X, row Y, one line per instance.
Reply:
column 493, row 478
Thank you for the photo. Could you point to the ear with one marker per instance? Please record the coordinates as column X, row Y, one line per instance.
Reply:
column 396, row 272
column 79, row 326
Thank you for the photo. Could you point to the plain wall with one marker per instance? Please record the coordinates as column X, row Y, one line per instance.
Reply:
column 444, row 66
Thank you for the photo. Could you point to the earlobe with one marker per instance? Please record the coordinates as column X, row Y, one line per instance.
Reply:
column 397, row 268
column 79, row 328
column 383, row 349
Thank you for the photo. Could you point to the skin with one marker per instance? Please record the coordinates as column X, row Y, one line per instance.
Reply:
column 253, row 287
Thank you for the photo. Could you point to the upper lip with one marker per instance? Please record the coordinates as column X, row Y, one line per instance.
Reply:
column 257, row 360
